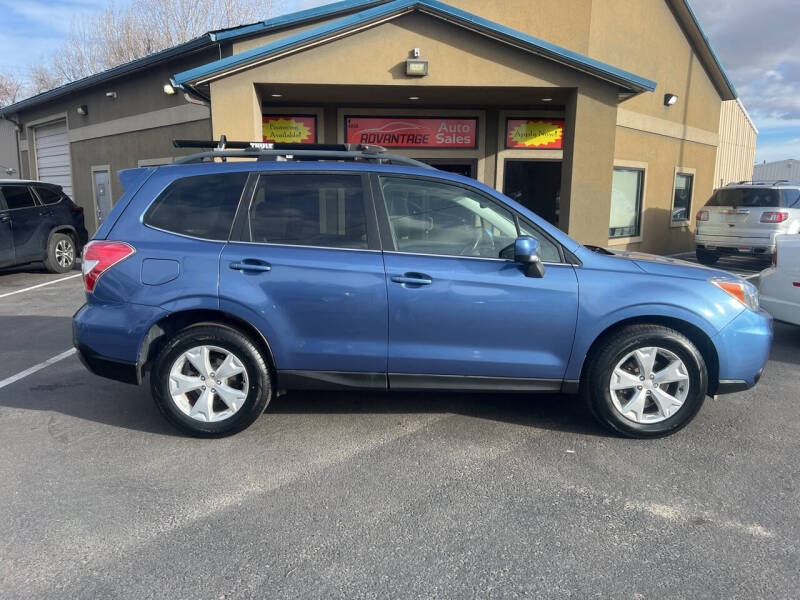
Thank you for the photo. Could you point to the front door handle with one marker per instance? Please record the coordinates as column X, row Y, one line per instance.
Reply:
column 250, row 264
column 413, row 279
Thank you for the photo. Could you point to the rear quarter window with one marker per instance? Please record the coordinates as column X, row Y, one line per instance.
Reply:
column 48, row 195
column 202, row 206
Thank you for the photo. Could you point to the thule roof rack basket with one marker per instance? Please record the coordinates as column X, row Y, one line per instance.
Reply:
column 224, row 149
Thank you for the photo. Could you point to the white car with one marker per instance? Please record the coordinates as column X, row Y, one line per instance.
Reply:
column 779, row 285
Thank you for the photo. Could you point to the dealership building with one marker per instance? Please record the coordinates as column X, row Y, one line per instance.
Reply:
column 603, row 116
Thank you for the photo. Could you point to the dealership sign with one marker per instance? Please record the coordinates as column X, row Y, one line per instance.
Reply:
column 402, row 132
column 289, row 129
column 534, row 133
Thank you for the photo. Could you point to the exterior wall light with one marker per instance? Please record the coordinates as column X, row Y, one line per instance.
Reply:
column 416, row 66
column 168, row 89
column 82, row 110
column 670, row 99
column 112, row 95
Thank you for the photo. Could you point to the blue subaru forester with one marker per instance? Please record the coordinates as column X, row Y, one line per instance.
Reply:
column 349, row 268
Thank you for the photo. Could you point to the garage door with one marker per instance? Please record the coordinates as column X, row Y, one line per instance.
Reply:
column 52, row 155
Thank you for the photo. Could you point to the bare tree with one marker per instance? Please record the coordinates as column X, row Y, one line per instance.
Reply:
column 11, row 89
column 117, row 35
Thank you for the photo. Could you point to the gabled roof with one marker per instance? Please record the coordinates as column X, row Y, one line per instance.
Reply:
column 627, row 82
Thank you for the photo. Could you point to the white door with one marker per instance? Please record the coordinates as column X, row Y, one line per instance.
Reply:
column 52, row 155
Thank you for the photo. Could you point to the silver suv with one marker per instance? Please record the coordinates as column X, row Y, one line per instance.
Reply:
column 745, row 217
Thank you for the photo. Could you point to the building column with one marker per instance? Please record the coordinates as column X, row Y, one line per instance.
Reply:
column 235, row 110
column 588, row 166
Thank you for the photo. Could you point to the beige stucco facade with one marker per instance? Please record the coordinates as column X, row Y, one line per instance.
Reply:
column 473, row 74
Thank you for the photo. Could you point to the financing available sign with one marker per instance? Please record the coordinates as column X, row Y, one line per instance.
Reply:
column 534, row 133
column 290, row 129
column 412, row 132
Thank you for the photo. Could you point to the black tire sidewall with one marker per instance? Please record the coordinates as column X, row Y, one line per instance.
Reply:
column 51, row 262
column 604, row 363
column 259, row 379
column 705, row 257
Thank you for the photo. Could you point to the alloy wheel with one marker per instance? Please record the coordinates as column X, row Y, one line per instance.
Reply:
column 649, row 385
column 208, row 383
column 65, row 253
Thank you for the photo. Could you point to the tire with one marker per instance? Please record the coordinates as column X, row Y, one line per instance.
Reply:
column 61, row 253
column 704, row 257
column 248, row 392
column 651, row 421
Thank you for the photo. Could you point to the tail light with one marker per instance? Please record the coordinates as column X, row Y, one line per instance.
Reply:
column 702, row 215
column 99, row 256
column 77, row 209
column 774, row 217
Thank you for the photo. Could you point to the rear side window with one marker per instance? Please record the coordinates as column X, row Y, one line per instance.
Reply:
column 203, row 206
column 17, row 196
column 791, row 198
column 755, row 198
column 307, row 209
column 48, row 195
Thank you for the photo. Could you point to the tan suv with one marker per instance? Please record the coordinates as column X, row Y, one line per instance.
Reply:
column 745, row 217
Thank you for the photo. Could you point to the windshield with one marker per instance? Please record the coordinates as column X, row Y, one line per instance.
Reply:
column 758, row 198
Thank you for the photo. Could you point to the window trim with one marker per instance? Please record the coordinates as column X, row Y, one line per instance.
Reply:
column 34, row 197
column 690, row 210
column 386, row 230
column 630, row 165
column 240, row 232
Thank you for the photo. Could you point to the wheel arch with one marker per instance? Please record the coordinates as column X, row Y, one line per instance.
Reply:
column 695, row 334
column 170, row 324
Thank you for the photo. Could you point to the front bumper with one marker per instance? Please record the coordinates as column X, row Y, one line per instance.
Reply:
column 743, row 350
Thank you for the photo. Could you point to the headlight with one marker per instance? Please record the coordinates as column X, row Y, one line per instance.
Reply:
column 744, row 292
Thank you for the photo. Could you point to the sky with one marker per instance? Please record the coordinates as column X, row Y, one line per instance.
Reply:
column 758, row 43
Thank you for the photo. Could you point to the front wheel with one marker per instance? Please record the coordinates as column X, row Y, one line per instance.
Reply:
column 645, row 381
column 210, row 381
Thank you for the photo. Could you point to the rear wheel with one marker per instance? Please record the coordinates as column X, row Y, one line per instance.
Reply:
column 645, row 381
column 61, row 253
column 210, row 381
column 704, row 257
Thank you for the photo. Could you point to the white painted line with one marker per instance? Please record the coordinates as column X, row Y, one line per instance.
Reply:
column 35, row 368
column 33, row 287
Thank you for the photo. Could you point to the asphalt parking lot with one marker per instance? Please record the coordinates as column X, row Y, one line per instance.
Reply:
column 376, row 496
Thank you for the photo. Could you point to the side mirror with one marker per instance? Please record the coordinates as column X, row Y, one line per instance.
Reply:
column 526, row 253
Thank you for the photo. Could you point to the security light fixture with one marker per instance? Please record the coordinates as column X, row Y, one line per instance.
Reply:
column 670, row 99
column 413, row 97
column 547, row 99
column 169, row 90
column 416, row 66
column 277, row 95
column 416, row 52
column 112, row 95
column 82, row 110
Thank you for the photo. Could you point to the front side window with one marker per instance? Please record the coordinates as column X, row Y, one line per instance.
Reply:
column 428, row 217
column 309, row 209
column 682, row 199
column 626, row 203
column 203, row 206
column 17, row 196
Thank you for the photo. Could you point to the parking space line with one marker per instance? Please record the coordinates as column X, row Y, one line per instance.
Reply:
column 35, row 368
column 33, row 287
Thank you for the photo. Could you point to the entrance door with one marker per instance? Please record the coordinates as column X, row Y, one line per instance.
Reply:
column 102, row 193
column 455, row 307
column 536, row 184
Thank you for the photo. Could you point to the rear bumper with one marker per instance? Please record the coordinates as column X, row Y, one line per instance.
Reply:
column 755, row 245
column 120, row 370
column 778, row 295
column 743, row 349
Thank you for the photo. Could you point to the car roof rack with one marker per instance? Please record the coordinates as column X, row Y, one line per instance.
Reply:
column 224, row 149
column 762, row 182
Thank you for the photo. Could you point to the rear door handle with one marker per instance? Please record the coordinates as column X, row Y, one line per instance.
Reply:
column 414, row 279
column 250, row 264
column 4, row 218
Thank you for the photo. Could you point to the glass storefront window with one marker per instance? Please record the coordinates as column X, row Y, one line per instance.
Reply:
column 682, row 200
column 626, row 203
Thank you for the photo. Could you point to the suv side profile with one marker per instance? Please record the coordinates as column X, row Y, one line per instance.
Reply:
column 354, row 269
column 745, row 218
column 39, row 222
